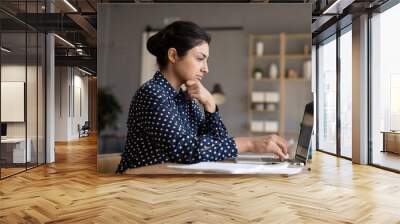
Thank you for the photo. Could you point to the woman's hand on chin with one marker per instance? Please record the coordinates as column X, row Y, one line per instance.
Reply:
column 196, row 90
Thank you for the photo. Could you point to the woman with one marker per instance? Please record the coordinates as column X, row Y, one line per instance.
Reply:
column 166, row 124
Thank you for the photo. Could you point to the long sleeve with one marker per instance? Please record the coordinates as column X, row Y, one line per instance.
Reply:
column 162, row 122
column 210, row 122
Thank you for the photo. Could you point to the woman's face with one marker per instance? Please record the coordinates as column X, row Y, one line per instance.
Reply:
column 194, row 64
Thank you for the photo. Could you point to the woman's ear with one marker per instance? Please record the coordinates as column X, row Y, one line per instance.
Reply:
column 172, row 55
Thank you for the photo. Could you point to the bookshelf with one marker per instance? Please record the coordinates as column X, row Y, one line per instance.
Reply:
column 279, row 82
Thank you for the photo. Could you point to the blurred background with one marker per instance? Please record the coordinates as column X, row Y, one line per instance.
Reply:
column 259, row 67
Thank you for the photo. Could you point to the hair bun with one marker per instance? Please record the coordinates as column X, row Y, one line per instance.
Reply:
column 155, row 44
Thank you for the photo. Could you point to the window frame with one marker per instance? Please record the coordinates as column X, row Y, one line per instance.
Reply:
column 333, row 37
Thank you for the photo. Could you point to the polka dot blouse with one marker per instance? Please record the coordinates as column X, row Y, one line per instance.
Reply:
column 164, row 126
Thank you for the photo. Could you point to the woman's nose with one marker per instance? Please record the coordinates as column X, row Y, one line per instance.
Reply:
column 205, row 68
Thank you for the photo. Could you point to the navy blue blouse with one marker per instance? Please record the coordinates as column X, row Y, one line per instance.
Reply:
column 164, row 126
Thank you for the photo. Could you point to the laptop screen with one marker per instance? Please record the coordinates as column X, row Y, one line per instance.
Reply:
column 306, row 128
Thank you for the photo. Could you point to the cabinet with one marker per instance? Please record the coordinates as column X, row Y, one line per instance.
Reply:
column 391, row 141
column 14, row 150
column 279, row 82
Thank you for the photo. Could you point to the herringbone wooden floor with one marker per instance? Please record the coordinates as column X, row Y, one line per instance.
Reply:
column 70, row 191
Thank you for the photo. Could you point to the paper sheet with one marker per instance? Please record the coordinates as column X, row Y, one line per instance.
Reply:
column 239, row 168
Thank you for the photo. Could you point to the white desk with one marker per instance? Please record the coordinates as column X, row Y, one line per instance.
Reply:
column 19, row 154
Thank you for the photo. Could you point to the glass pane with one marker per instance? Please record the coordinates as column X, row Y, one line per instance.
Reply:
column 23, row 88
column 346, row 94
column 13, row 87
column 385, row 84
column 31, row 97
column 32, row 87
column 41, row 98
column 327, row 96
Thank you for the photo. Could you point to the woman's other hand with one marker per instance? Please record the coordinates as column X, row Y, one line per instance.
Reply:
column 196, row 90
column 263, row 144
column 271, row 144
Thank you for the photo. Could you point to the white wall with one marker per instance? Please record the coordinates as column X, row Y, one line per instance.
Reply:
column 79, row 117
column 61, row 103
column 71, row 93
column 16, row 73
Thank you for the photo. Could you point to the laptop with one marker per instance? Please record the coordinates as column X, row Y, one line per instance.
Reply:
column 302, row 149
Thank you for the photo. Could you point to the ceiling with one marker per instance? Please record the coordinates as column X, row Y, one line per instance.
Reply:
column 76, row 21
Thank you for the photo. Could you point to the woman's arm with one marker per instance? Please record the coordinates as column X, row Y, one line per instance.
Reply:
column 244, row 144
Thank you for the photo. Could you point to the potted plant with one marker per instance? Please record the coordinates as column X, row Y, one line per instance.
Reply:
column 108, row 112
column 108, row 109
column 258, row 73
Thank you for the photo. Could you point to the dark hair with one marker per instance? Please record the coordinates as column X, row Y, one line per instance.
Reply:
column 181, row 35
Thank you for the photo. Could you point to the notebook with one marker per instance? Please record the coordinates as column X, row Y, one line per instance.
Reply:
column 238, row 168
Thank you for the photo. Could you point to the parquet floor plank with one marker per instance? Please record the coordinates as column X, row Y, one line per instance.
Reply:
column 71, row 191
